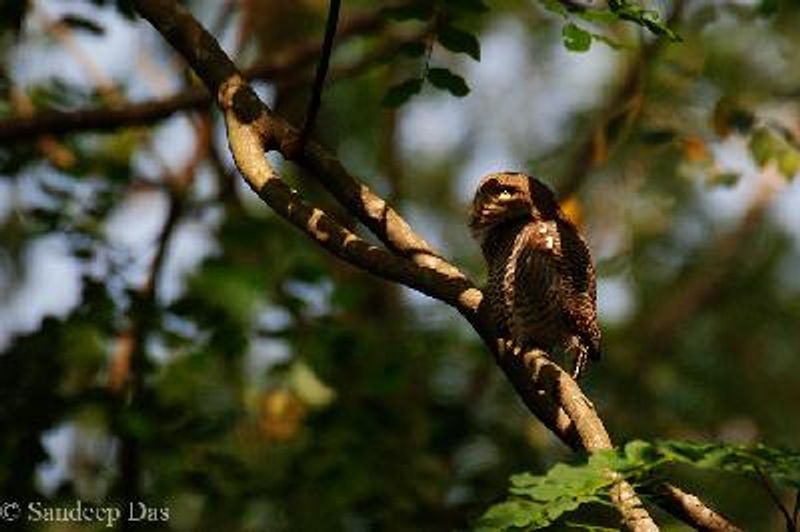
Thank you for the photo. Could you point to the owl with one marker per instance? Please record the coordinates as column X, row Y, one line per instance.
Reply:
column 541, row 286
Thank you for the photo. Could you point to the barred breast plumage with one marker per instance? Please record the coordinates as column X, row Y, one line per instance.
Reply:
column 541, row 284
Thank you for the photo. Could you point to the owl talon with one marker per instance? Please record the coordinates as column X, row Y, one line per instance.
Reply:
column 579, row 365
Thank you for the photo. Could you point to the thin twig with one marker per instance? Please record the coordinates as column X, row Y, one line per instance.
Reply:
column 767, row 485
column 127, row 375
column 127, row 371
column 350, row 70
column 322, row 71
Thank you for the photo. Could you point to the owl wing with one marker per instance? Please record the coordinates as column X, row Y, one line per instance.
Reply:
column 553, row 287
column 578, row 286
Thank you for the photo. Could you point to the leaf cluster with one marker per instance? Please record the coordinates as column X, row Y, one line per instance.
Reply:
column 537, row 501
column 577, row 38
column 442, row 18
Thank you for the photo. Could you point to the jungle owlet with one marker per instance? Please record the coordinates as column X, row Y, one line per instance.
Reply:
column 541, row 279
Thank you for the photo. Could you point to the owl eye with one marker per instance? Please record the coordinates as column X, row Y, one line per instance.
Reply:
column 505, row 194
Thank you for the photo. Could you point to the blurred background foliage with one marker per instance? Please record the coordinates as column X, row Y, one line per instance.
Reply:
column 168, row 338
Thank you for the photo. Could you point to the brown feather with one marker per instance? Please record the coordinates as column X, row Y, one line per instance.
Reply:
column 542, row 286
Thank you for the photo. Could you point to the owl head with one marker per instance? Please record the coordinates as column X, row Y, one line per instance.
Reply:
column 510, row 197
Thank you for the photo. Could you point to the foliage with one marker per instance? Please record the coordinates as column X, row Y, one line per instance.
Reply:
column 441, row 17
column 538, row 501
column 579, row 39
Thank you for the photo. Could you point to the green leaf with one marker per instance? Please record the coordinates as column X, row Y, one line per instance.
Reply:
column 442, row 78
column 459, row 41
column 789, row 163
column 640, row 454
column 545, row 492
column 581, row 477
column 768, row 146
column 554, row 6
column 603, row 16
column 724, row 179
column 611, row 43
column 560, row 506
column 309, row 387
column 613, row 460
column 509, row 514
column 576, row 39
column 563, row 489
column 521, row 480
column 399, row 94
column 646, row 18
column 539, row 500
column 762, row 146
column 783, row 465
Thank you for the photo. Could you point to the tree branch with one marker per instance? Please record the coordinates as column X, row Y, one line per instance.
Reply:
column 252, row 129
column 287, row 65
column 215, row 68
column 689, row 509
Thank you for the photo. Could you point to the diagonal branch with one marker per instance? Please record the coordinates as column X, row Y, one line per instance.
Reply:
column 246, row 145
column 211, row 64
column 252, row 129
column 688, row 508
